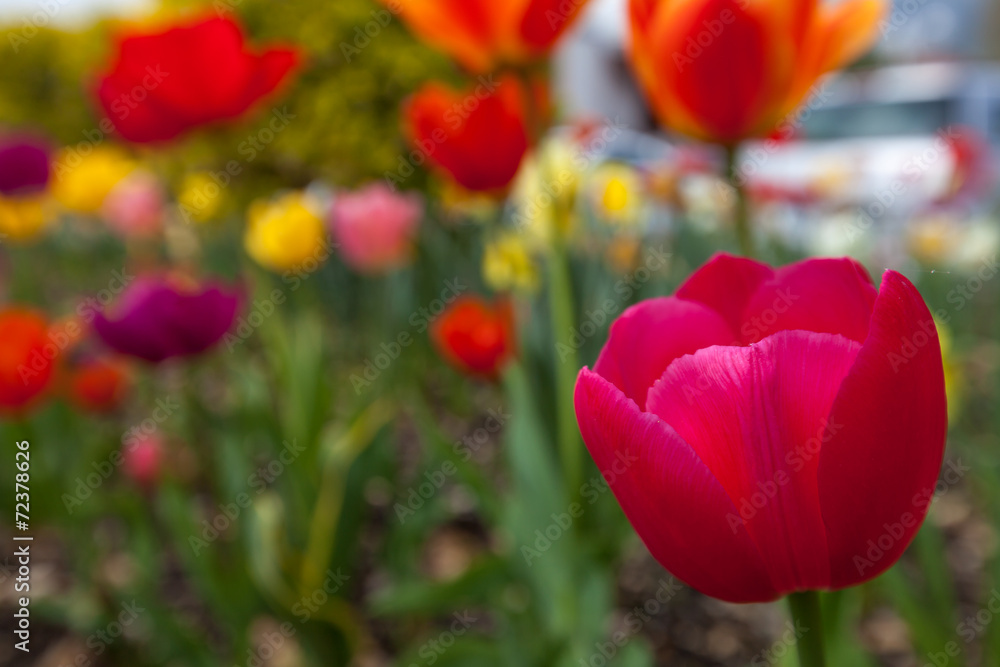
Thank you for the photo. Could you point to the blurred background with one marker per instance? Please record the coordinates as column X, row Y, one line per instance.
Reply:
column 321, row 488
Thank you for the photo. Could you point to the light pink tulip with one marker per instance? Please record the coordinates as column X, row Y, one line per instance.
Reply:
column 374, row 227
column 135, row 206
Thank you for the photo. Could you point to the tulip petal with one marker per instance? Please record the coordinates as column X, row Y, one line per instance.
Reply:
column 147, row 122
column 850, row 28
column 756, row 416
column 462, row 28
column 725, row 81
column 650, row 335
column 674, row 503
column 272, row 67
column 546, row 20
column 726, row 284
column 480, row 146
column 876, row 477
column 822, row 295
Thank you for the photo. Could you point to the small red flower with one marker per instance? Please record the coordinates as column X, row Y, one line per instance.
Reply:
column 143, row 459
column 771, row 430
column 166, row 83
column 98, row 385
column 27, row 359
column 476, row 336
column 478, row 136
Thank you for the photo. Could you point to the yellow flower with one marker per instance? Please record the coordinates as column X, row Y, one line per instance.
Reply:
column 616, row 191
column 23, row 218
column 82, row 179
column 199, row 197
column 933, row 239
column 508, row 265
column 286, row 233
column 544, row 194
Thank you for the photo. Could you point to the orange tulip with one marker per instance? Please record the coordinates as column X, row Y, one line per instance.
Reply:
column 483, row 34
column 726, row 70
column 478, row 136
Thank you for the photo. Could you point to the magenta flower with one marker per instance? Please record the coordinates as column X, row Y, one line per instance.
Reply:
column 157, row 320
column 374, row 227
column 771, row 430
column 24, row 166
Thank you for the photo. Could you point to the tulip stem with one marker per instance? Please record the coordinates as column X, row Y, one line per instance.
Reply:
column 567, row 366
column 741, row 212
column 808, row 620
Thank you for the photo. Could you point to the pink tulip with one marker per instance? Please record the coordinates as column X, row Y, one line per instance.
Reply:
column 374, row 227
column 768, row 431
column 143, row 457
column 135, row 206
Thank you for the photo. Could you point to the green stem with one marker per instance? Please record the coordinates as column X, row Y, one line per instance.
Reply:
column 340, row 452
column 567, row 365
column 744, row 233
column 808, row 619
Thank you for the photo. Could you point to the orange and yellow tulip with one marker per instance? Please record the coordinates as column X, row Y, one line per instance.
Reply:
column 727, row 70
column 483, row 34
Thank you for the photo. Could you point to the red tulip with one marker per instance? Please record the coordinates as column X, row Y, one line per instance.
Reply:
column 476, row 336
column 27, row 359
column 166, row 83
column 98, row 385
column 478, row 136
column 771, row 430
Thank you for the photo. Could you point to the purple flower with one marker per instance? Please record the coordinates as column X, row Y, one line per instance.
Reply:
column 155, row 319
column 24, row 165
